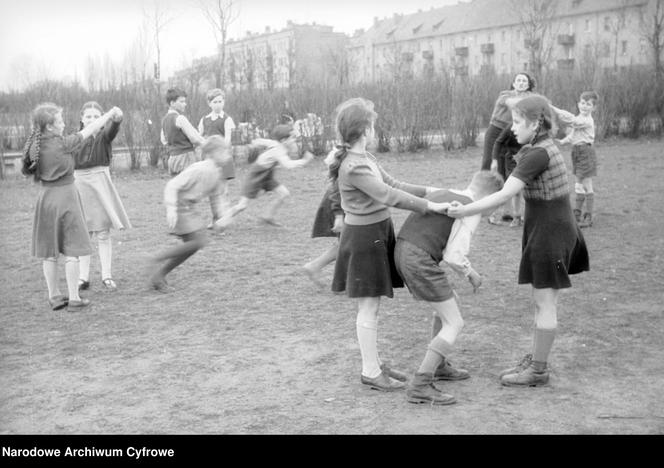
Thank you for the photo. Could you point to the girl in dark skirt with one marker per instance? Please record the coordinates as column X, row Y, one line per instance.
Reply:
column 365, row 266
column 329, row 222
column 59, row 226
column 552, row 247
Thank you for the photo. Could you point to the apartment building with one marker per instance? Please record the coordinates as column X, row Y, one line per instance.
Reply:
column 504, row 36
column 291, row 57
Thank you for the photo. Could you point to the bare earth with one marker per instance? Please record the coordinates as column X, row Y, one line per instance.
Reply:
column 247, row 345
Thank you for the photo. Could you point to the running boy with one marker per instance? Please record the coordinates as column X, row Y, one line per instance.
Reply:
column 260, row 175
column 177, row 133
column 182, row 193
column 584, row 159
column 422, row 243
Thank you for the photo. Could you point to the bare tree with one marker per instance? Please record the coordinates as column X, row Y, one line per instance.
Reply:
column 158, row 17
column 536, row 19
column 652, row 30
column 616, row 25
column 220, row 14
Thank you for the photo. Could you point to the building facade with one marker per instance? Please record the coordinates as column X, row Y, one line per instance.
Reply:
column 502, row 36
column 295, row 56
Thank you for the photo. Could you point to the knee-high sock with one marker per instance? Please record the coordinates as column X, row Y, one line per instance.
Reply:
column 367, row 337
column 542, row 344
column 84, row 267
column 436, row 326
column 105, row 252
column 435, row 354
column 72, row 275
column 590, row 201
column 50, row 269
column 580, row 199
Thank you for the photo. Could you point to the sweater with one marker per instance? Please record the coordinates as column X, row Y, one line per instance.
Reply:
column 367, row 191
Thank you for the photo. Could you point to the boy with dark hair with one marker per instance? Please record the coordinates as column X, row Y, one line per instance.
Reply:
column 177, row 133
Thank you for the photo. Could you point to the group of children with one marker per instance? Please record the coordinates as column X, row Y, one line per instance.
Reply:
column 370, row 258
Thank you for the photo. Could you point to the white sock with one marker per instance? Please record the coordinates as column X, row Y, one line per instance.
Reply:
column 105, row 251
column 84, row 267
column 50, row 268
column 367, row 336
column 72, row 274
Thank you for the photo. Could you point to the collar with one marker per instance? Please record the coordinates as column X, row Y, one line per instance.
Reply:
column 464, row 192
column 214, row 116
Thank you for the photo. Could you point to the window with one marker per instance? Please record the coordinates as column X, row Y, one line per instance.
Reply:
column 502, row 36
column 587, row 26
column 623, row 48
column 607, row 23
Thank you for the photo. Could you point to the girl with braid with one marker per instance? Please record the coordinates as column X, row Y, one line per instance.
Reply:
column 102, row 206
column 552, row 247
column 59, row 226
column 365, row 266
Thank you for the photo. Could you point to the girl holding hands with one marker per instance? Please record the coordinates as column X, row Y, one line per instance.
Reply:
column 59, row 226
column 552, row 247
column 102, row 206
column 365, row 266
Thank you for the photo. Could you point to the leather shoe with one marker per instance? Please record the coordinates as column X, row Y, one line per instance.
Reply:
column 395, row 374
column 445, row 371
column 383, row 383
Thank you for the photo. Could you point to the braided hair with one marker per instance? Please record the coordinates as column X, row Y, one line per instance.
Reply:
column 43, row 115
column 536, row 108
column 353, row 118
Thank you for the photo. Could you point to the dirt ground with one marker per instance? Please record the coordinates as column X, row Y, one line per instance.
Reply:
column 247, row 345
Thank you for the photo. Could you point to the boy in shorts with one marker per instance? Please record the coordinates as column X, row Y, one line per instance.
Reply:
column 422, row 243
column 260, row 175
column 584, row 159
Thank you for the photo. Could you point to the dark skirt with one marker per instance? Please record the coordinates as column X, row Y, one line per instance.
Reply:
column 324, row 220
column 59, row 226
column 365, row 262
column 553, row 246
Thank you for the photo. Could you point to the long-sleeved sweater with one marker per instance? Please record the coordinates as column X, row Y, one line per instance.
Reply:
column 367, row 191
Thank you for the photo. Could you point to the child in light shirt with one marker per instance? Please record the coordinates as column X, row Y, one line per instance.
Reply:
column 203, row 179
column 584, row 158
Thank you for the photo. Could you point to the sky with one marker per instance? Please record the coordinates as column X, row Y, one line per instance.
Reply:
column 55, row 38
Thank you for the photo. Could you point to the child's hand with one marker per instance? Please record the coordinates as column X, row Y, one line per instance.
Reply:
column 117, row 116
column 171, row 216
column 494, row 165
column 456, row 210
column 475, row 279
column 338, row 224
column 440, row 208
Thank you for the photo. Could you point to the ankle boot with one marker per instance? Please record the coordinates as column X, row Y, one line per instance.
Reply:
column 529, row 377
column 521, row 365
column 446, row 371
column 422, row 390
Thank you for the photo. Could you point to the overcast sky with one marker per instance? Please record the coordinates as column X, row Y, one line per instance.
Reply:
column 53, row 38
